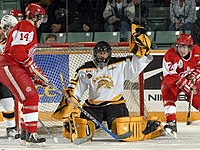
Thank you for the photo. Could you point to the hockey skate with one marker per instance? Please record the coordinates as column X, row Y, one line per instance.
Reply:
column 33, row 140
column 171, row 128
column 12, row 133
column 23, row 138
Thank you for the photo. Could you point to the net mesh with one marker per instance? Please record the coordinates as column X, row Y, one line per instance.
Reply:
column 54, row 61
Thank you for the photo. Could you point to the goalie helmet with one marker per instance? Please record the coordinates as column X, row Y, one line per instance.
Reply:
column 33, row 11
column 101, row 46
column 140, row 43
column 185, row 39
column 7, row 22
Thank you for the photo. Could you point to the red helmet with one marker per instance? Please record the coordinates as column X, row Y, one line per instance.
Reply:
column 185, row 39
column 34, row 10
column 17, row 13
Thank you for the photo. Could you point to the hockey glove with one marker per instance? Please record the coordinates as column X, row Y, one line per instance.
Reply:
column 38, row 76
column 186, row 86
column 195, row 75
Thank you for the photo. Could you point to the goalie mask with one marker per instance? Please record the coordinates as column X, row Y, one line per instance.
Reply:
column 140, row 42
column 101, row 54
column 184, row 44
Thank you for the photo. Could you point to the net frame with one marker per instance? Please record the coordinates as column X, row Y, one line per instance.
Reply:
column 86, row 49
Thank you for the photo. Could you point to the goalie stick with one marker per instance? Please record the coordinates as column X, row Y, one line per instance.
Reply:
column 117, row 137
column 188, row 122
column 73, row 129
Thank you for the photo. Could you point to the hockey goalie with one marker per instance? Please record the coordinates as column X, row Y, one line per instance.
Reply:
column 104, row 77
column 181, row 73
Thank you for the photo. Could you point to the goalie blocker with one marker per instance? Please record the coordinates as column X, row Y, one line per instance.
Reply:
column 141, row 127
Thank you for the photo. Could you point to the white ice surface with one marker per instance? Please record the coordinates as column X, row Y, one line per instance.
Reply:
column 188, row 139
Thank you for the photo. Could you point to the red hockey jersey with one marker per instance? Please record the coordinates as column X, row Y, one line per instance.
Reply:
column 21, row 42
column 175, row 67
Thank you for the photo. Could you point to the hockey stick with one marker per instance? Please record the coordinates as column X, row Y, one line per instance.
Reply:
column 188, row 122
column 55, row 139
column 117, row 137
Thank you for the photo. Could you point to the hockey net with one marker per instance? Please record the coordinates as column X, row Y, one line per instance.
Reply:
column 57, row 59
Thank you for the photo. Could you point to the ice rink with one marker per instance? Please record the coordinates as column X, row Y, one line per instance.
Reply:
column 188, row 139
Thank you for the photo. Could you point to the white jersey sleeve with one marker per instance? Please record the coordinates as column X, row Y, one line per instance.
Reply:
column 134, row 66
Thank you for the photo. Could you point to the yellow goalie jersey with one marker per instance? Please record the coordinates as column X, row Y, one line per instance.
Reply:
column 106, row 85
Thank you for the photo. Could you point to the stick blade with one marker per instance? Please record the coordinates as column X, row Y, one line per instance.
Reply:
column 125, row 135
column 79, row 141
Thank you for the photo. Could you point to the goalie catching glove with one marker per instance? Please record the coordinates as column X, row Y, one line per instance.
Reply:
column 38, row 76
column 140, row 43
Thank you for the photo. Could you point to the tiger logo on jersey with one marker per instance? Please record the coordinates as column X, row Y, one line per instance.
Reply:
column 104, row 81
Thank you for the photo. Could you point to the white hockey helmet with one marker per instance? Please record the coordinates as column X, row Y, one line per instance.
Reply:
column 8, row 21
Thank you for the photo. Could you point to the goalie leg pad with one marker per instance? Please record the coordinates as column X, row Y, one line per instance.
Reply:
column 91, row 127
column 142, row 128
column 120, row 125
column 83, row 127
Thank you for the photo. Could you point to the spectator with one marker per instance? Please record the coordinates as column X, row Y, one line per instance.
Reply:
column 91, row 15
column 74, row 22
column 195, row 32
column 118, row 15
column 182, row 14
column 54, row 24
column 51, row 38
column 59, row 24
column 136, row 1
column 198, row 2
column 162, row 3
column 144, row 4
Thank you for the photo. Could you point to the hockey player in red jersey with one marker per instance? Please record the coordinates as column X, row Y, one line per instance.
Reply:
column 6, row 98
column 181, row 73
column 19, row 72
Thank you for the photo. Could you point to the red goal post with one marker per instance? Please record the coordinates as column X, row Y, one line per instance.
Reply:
column 65, row 58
